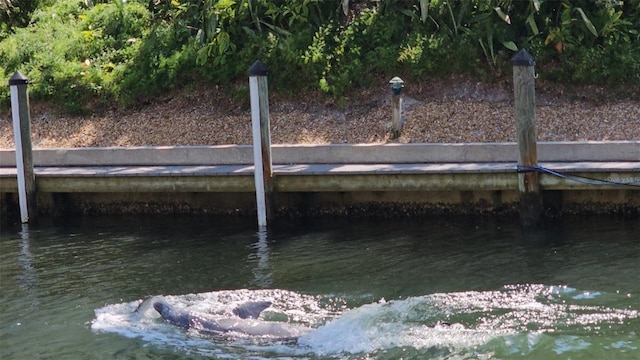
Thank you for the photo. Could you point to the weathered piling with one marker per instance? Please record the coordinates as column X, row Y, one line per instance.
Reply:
column 263, row 172
column 396, row 106
column 524, row 99
column 24, row 157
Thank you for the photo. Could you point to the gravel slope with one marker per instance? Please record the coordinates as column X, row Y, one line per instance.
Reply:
column 446, row 110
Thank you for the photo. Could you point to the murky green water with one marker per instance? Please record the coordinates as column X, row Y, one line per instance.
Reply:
column 367, row 289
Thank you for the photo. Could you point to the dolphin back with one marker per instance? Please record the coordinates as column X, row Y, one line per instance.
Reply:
column 251, row 310
column 245, row 323
column 148, row 303
column 186, row 319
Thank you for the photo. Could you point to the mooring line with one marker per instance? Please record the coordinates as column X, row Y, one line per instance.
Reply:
column 579, row 179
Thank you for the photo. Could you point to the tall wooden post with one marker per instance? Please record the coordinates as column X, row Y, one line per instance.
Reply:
column 396, row 107
column 524, row 99
column 22, row 137
column 263, row 171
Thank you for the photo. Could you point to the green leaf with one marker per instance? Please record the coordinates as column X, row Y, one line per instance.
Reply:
column 407, row 12
column 119, row 4
column 532, row 24
column 202, row 56
column 502, row 15
column 587, row 22
column 224, row 40
column 224, row 4
column 510, row 45
column 536, row 4
column 424, row 10
column 276, row 29
column 345, row 7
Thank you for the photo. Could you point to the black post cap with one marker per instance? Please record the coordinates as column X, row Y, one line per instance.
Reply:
column 522, row 58
column 258, row 69
column 18, row 79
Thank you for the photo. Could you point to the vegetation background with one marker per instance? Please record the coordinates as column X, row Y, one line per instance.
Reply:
column 89, row 54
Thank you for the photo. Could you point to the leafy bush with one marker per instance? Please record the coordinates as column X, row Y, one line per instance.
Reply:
column 83, row 47
column 15, row 14
column 87, row 53
column 342, row 57
column 45, row 62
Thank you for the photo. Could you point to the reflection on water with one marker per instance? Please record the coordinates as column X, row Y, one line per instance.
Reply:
column 368, row 289
column 262, row 271
column 25, row 259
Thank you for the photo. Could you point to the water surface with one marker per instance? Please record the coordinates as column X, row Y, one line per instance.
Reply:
column 368, row 289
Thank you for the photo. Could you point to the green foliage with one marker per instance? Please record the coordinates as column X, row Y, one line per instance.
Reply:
column 87, row 53
column 341, row 57
column 45, row 62
column 74, row 66
column 155, row 67
column 15, row 14
column 595, row 42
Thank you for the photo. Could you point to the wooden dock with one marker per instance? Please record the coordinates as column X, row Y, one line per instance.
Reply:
column 329, row 178
column 553, row 177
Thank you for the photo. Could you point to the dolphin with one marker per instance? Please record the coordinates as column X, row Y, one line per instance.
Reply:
column 246, row 321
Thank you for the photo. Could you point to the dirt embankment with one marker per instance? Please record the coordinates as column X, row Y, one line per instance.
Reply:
column 444, row 110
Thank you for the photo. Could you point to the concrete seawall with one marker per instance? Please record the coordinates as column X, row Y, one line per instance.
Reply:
column 607, row 151
column 380, row 179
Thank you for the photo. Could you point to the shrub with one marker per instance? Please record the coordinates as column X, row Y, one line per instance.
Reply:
column 81, row 53
column 15, row 14
column 342, row 57
column 84, row 46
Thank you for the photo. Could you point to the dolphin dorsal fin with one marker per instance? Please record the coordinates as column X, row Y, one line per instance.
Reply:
column 146, row 303
column 251, row 310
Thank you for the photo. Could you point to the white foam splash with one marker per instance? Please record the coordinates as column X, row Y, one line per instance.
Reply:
column 392, row 324
column 517, row 319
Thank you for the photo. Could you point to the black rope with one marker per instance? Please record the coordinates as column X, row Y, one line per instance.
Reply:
column 579, row 179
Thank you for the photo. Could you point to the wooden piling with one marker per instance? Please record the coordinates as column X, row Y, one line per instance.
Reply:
column 396, row 107
column 263, row 172
column 524, row 100
column 22, row 137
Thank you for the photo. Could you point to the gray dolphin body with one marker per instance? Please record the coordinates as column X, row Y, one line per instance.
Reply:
column 246, row 321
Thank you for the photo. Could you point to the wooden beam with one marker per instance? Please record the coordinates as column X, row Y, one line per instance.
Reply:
column 524, row 100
